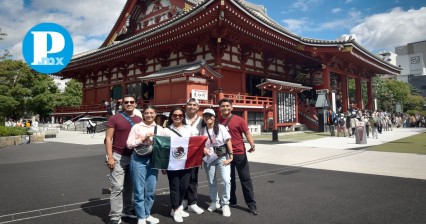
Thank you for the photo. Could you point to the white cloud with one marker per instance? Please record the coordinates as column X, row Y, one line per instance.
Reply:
column 336, row 10
column 385, row 31
column 304, row 5
column 296, row 25
column 87, row 21
column 348, row 1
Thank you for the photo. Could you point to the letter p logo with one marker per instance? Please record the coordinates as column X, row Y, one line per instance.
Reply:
column 40, row 45
column 48, row 47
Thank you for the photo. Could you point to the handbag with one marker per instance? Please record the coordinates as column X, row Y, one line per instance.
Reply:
column 219, row 150
column 143, row 149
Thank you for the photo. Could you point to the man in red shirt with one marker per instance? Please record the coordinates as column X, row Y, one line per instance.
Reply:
column 237, row 127
column 118, row 160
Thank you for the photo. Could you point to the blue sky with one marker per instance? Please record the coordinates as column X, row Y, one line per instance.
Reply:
column 375, row 24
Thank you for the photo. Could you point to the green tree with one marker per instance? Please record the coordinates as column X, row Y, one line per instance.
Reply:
column 4, row 55
column 24, row 92
column 71, row 96
column 414, row 103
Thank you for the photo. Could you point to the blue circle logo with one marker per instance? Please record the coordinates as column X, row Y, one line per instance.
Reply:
column 47, row 48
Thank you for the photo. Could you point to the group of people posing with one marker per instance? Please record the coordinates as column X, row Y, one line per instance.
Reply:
column 133, row 180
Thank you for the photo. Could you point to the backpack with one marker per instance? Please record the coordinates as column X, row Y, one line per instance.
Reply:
column 341, row 121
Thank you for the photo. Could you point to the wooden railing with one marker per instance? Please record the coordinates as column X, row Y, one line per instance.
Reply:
column 249, row 100
column 237, row 99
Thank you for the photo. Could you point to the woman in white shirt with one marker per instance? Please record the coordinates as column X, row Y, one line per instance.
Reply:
column 178, row 179
column 218, row 138
column 144, row 177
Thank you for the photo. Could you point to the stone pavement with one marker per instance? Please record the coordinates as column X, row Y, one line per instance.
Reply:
column 328, row 153
column 342, row 154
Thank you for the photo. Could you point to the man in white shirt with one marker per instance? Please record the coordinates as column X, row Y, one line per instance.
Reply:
column 194, row 120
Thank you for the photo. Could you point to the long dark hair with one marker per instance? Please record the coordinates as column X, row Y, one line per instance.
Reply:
column 170, row 120
column 215, row 126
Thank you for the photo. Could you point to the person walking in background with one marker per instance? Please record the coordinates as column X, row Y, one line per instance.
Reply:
column 144, row 177
column 237, row 127
column 341, row 125
column 118, row 160
column 194, row 121
column 331, row 118
column 218, row 156
column 178, row 179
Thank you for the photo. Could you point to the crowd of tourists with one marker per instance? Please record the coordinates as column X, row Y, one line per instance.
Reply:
column 132, row 175
column 375, row 121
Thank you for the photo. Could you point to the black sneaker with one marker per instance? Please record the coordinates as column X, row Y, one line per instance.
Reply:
column 130, row 214
column 115, row 221
column 254, row 212
column 233, row 204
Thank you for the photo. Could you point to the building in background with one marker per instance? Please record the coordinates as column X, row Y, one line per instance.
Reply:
column 412, row 59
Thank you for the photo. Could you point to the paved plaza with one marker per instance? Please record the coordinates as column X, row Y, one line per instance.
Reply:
column 327, row 180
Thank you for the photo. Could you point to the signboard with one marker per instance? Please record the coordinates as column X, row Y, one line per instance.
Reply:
column 199, row 94
column 286, row 106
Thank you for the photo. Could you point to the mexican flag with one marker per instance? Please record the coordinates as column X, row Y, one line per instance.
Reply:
column 177, row 153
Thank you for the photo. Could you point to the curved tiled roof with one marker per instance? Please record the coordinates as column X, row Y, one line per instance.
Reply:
column 256, row 12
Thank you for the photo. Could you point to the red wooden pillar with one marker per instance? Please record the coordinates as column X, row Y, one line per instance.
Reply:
column 243, row 83
column 95, row 91
column 245, row 116
column 345, row 104
column 124, row 83
column 297, row 108
column 358, row 93
column 275, row 112
column 326, row 80
column 370, row 94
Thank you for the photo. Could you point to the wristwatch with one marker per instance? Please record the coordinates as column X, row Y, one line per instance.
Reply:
column 253, row 146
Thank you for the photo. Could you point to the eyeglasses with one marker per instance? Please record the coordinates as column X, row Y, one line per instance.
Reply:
column 128, row 102
column 177, row 115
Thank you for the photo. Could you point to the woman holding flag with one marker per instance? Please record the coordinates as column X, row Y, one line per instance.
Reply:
column 218, row 157
column 178, row 179
column 144, row 177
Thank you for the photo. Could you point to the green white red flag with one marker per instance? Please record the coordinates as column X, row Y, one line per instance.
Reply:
column 177, row 153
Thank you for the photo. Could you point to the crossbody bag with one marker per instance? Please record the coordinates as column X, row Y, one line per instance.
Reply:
column 219, row 150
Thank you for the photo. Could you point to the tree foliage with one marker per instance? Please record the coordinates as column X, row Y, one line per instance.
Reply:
column 72, row 96
column 24, row 92
column 389, row 92
column 4, row 55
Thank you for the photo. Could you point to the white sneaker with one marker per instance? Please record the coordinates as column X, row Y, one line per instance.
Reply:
column 141, row 221
column 152, row 220
column 180, row 211
column 177, row 217
column 183, row 213
column 226, row 211
column 213, row 206
column 185, row 204
column 195, row 209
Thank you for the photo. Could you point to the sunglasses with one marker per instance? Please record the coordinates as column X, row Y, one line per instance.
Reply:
column 177, row 115
column 128, row 102
column 208, row 115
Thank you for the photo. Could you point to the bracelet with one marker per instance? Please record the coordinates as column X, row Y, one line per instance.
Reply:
column 230, row 153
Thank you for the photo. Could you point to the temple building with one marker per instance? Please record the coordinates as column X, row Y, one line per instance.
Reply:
column 166, row 51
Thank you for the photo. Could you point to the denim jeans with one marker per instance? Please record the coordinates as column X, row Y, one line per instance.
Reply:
column 144, row 180
column 121, row 187
column 225, row 174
